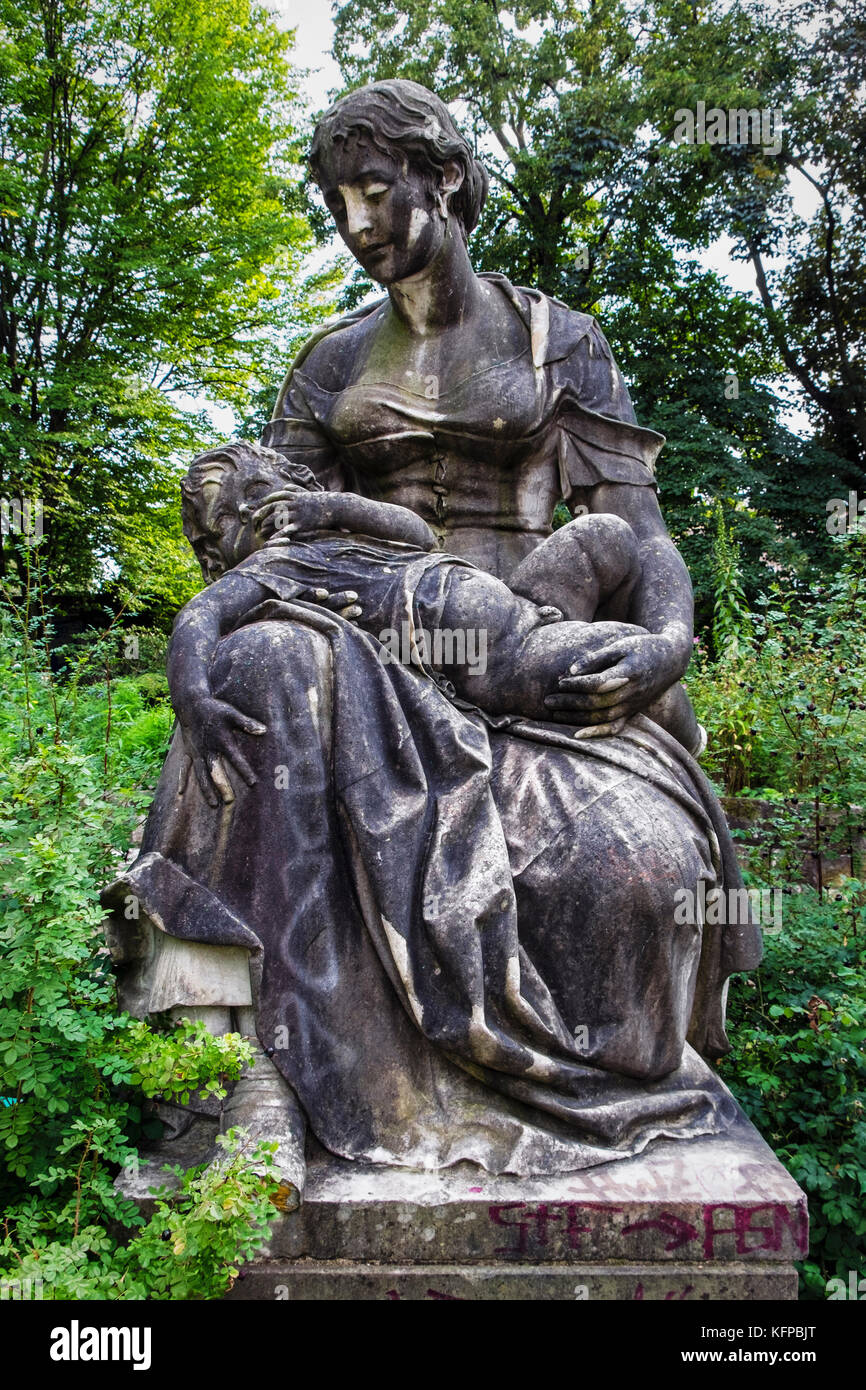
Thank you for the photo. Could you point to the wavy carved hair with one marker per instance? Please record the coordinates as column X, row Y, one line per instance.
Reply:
column 402, row 115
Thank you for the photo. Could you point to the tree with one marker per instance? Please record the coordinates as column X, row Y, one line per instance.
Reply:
column 572, row 106
column 151, row 233
column 805, row 60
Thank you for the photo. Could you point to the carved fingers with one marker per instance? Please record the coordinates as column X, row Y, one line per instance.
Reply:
column 210, row 734
column 343, row 601
column 293, row 511
column 634, row 671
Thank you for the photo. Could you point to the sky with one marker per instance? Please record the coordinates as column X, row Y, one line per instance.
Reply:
column 314, row 32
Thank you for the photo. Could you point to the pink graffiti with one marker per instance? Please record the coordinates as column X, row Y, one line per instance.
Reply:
column 753, row 1228
column 743, row 1225
column 536, row 1220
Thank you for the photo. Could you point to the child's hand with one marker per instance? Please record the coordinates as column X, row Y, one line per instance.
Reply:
column 209, row 728
column 295, row 511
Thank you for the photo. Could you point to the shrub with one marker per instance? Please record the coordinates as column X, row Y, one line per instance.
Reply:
column 76, row 761
column 785, row 716
column 799, row 1071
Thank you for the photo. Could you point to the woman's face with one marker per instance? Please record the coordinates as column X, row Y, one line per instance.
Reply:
column 384, row 209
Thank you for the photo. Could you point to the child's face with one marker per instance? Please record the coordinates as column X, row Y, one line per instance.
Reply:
column 224, row 533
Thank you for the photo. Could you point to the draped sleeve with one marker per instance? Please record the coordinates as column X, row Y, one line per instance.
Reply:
column 598, row 439
column 295, row 432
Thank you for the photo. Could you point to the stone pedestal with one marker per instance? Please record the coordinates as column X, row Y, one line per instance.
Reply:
column 715, row 1218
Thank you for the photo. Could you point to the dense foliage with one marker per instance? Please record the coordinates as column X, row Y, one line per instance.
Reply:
column 787, row 725
column 151, row 236
column 78, row 754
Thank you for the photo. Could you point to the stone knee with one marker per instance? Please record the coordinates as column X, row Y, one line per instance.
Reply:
column 273, row 661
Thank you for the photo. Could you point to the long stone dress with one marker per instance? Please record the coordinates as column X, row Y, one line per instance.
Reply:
column 462, row 931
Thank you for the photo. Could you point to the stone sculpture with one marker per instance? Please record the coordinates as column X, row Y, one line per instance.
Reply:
column 436, row 887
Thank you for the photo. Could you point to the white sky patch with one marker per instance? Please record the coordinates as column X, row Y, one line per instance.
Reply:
column 314, row 37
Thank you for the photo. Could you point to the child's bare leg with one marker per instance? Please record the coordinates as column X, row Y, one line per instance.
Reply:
column 587, row 569
column 519, row 657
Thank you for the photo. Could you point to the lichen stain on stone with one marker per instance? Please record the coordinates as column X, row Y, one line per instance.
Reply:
column 313, row 700
column 417, row 222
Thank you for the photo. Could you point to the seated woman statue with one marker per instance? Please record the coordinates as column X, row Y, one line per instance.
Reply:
column 442, row 899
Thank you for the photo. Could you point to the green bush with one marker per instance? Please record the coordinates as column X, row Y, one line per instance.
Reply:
column 77, row 762
column 191, row 1247
column 782, row 703
column 798, row 1068
column 783, row 706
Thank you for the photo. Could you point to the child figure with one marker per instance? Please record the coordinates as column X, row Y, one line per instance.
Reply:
column 378, row 564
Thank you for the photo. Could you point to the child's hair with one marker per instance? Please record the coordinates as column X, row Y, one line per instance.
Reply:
column 212, row 467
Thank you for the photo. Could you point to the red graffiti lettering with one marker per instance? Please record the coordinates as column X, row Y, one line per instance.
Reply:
column 532, row 1223
column 680, row 1232
column 526, row 1219
column 754, row 1228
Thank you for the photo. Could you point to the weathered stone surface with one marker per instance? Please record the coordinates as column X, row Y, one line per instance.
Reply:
column 723, row 1198
column 314, row 1280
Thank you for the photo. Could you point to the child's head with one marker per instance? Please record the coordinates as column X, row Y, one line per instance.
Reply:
column 221, row 492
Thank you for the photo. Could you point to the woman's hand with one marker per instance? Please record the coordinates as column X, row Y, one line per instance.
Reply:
column 209, row 728
column 614, row 679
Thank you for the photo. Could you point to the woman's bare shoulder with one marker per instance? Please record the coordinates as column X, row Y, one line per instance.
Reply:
column 329, row 353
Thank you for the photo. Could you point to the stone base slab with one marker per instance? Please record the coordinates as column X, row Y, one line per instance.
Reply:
column 312, row 1280
column 722, row 1198
column 709, row 1218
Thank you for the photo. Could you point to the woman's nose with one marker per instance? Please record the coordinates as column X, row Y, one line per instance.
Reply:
column 358, row 213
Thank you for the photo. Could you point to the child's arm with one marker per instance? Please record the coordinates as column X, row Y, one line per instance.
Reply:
column 297, row 512
column 209, row 726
